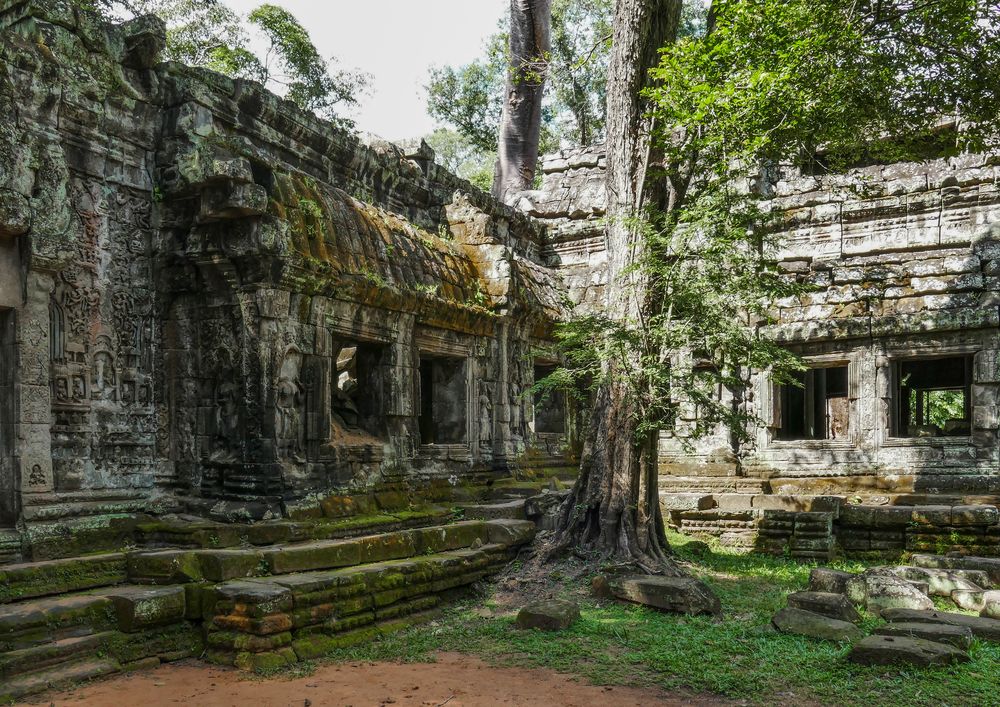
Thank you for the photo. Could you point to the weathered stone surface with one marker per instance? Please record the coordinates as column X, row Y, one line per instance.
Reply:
column 824, row 579
column 889, row 650
column 942, row 583
column 682, row 595
column 983, row 628
column 139, row 608
column 548, row 615
column 989, row 565
column 991, row 604
column 877, row 591
column 836, row 606
column 808, row 623
column 958, row 636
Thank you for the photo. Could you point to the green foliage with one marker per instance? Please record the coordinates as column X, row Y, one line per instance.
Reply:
column 461, row 156
column 207, row 33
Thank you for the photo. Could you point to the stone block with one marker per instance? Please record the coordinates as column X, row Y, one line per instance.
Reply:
column 824, row 579
column 689, row 501
column 958, row 636
column 682, row 595
column 875, row 516
column 548, row 615
column 509, row 532
column 983, row 628
column 888, row 650
column 939, row 516
column 991, row 604
column 836, row 606
column 164, row 567
column 807, row 623
column 943, row 583
column 138, row 608
column 223, row 565
column 313, row 556
column 974, row 515
column 878, row 590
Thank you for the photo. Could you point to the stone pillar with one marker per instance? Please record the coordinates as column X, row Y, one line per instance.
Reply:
column 32, row 390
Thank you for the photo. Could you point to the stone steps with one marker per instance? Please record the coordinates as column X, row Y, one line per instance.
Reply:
column 490, row 511
column 52, row 577
column 256, row 608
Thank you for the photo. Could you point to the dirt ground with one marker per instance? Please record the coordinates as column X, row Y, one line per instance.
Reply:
column 454, row 680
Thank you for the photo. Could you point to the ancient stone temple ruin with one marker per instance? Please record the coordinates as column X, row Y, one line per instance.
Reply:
column 890, row 443
column 266, row 387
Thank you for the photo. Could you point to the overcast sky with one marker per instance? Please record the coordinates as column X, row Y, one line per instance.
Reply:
column 396, row 41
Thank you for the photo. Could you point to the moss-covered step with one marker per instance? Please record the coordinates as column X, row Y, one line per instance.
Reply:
column 41, row 657
column 186, row 566
column 58, row 676
column 490, row 511
column 34, row 622
column 52, row 577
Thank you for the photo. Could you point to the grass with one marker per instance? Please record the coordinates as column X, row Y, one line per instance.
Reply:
column 740, row 658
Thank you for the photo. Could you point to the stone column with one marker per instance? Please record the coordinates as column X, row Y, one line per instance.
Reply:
column 32, row 390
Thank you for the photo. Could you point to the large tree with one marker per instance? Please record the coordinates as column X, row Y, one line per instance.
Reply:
column 774, row 85
column 521, row 120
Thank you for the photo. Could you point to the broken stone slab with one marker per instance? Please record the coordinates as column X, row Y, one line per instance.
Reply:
column 887, row 650
column 991, row 604
column 548, row 615
column 989, row 565
column 824, row 579
column 878, row 591
column 808, row 623
column 138, row 608
column 681, row 595
column 836, row 606
column 942, row 582
column 970, row 599
column 982, row 628
column 958, row 636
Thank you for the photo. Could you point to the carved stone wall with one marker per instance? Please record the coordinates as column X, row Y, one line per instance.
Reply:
column 905, row 259
column 219, row 303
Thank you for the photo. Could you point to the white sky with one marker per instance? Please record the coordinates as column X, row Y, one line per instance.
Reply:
column 397, row 42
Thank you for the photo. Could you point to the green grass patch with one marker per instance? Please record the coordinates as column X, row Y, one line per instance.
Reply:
column 741, row 657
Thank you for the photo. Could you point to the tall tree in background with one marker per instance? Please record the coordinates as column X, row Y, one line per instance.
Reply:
column 521, row 120
column 774, row 85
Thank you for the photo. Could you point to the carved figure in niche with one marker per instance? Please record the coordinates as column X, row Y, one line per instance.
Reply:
column 37, row 476
column 226, row 423
column 485, row 416
column 62, row 390
column 79, row 389
column 290, row 401
column 102, row 380
column 128, row 392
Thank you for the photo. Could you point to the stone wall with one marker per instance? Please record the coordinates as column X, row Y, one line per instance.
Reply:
column 214, row 301
column 904, row 260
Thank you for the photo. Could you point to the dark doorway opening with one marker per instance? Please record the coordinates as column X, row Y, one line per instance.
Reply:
column 818, row 407
column 8, row 469
column 550, row 406
column 443, row 400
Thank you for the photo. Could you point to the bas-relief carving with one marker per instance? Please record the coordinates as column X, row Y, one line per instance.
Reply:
column 290, row 410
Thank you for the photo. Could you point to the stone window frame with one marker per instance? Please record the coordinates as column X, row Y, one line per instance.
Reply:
column 885, row 387
column 438, row 343
column 771, row 400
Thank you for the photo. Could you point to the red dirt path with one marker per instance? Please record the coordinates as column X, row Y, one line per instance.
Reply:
column 453, row 681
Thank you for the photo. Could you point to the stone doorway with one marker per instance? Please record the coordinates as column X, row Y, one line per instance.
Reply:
column 8, row 481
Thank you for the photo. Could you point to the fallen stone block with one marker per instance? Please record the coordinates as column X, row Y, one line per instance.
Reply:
column 138, row 608
column 887, row 650
column 989, row 565
column 836, row 606
column 824, row 579
column 548, row 615
column 942, row 582
column 879, row 590
column 682, row 595
column 991, row 604
column 982, row 628
column 969, row 599
column 974, row 515
column 807, row 623
column 958, row 636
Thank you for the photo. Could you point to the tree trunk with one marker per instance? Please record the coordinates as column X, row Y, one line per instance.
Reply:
column 614, row 509
column 521, row 122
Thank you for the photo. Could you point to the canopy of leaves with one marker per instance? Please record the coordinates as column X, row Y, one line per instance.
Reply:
column 774, row 84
